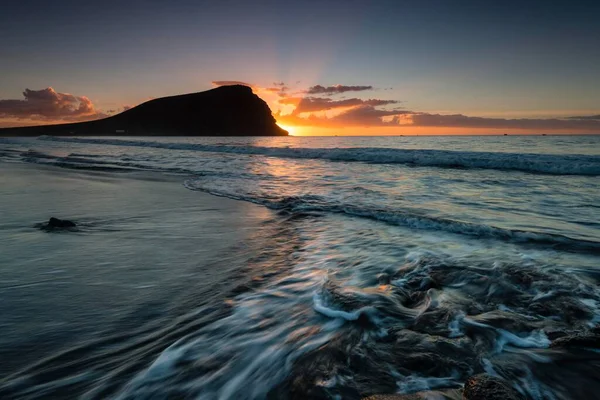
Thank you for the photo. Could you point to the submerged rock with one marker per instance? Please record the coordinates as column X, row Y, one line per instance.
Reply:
column 58, row 224
column 395, row 397
column 61, row 223
column 569, row 309
column 578, row 340
column 383, row 279
column 487, row 387
column 450, row 394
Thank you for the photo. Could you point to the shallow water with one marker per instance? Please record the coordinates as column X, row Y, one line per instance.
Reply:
column 378, row 270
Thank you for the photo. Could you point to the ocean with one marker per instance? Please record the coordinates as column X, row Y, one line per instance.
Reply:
column 298, row 267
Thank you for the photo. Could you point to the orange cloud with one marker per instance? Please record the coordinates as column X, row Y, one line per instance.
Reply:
column 314, row 104
column 368, row 116
column 311, row 111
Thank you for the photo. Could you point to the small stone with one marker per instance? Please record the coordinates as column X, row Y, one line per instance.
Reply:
column 61, row 223
column 56, row 224
column 383, row 279
column 394, row 397
column 578, row 340
column 487, row 387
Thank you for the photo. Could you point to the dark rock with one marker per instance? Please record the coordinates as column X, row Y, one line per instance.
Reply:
column 578, row 340
column 410, row 352
column 437, row 394
column 569, row 309
column 383, row 279
column 414, row 396
column 311, row 370
column 61, row 223
column 553, row 332
column 434, row 322
column 224, row 111
column 524, row 277
column 487, row 387
column 57, row 224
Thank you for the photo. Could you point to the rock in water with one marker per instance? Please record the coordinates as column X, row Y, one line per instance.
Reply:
column 424, row 395
column 61, row 223
column 224, row 111
column 57, row 224
column 487, row 387
column 591, row 340
column 395, row 397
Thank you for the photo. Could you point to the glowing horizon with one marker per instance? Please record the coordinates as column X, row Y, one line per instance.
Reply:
column 316, row 111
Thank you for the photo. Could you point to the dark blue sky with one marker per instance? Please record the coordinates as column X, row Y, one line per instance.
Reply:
column 506, row 59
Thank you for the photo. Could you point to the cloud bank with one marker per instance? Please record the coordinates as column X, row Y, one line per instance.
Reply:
column 316, row 104
column 586, row 117
column 336, row 89
column 463, row 121
column 369, row 116
column 48, row 104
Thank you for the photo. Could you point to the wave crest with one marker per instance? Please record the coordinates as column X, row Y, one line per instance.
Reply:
column 407, row 218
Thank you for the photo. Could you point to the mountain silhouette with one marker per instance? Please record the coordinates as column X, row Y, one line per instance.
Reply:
column 223, row 111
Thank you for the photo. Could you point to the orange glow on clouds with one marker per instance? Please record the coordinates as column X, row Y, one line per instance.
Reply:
column 306, row 111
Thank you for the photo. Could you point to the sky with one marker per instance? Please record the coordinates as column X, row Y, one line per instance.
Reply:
column 324, row 67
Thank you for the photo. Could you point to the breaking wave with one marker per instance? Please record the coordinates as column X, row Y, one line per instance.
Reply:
column 406, row 218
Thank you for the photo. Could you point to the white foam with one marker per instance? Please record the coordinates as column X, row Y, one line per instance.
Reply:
column 532, row 388
column 454, row 326
column 332, row 313
column 415, row 383
column 488, row 367
column 595, row 307
column 536, row 339
column 543, row 295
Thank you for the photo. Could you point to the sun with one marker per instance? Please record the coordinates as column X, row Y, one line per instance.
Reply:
column 288, row 128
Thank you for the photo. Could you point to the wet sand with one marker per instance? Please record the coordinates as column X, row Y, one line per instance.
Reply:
column 142, row 241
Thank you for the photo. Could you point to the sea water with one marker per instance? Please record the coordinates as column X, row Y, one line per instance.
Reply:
column 391, row 265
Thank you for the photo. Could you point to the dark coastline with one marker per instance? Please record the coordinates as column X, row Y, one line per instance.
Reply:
column 223, row 111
